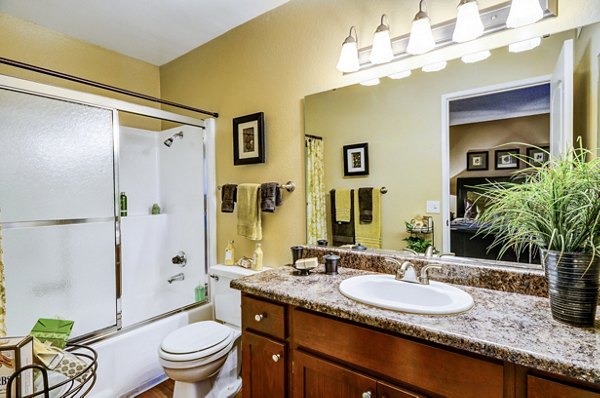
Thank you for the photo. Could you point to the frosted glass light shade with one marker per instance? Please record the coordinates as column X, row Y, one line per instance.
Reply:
column 525, row 45
column 468, row 23
column 476, row 57
column 524, row 12
column 400, row 75
column 381, row 52
column 348, row 61
column 435, row 67
column 421, row 38
column 370, row 82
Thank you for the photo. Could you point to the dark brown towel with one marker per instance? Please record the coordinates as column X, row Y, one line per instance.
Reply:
column 228, row 198
column 268, row 196
column 343, row 232
column 365, row 205
column 278, row 196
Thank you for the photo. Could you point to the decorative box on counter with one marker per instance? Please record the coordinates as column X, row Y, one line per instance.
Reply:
column 55, row 331
column 15, row 353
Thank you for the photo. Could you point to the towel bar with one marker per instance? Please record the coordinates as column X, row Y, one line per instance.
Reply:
column 288, row 186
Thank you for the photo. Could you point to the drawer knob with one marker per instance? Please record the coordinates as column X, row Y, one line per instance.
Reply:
column 366, row 394
column 276, row 357
column 259, row 317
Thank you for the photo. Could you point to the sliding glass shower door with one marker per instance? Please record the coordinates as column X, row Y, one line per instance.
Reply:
column 57, row 212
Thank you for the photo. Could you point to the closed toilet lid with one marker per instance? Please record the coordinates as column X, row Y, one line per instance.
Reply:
column 196, row 337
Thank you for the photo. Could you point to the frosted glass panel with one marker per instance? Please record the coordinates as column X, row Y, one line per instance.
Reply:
column 60, row 271
column 56, row 159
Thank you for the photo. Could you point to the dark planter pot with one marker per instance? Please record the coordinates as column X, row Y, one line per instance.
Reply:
column 573, row 290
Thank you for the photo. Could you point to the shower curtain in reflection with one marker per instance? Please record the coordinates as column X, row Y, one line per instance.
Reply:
column 316, row 222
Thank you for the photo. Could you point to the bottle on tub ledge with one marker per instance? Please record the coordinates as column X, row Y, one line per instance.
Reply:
column 229, row 254
column 257, row 264
column 123, row 202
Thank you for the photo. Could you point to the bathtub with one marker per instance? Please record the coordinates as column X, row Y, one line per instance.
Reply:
column 128, row 361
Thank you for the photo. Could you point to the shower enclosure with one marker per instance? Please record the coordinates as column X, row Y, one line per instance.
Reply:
column 65, row 157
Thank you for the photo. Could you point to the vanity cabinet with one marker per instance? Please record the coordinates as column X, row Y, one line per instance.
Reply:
column 289, row 351
column 264, row 349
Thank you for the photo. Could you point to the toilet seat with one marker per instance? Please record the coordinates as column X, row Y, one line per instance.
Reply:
column 198, row 362
column 197, row 341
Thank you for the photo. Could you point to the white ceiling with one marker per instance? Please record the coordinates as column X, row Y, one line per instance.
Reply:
column 156, row 31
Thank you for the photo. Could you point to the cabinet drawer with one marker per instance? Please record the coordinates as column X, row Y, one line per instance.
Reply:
column 538, row 387
column 429, row 368
column 263, row 316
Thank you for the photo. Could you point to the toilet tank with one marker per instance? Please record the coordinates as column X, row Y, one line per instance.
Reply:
column 227, row 301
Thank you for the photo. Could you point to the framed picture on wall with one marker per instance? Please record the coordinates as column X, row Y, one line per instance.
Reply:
column 477, row 160
column 507, row 159
column 356, row 160
column 249, row 139
column 538, row 156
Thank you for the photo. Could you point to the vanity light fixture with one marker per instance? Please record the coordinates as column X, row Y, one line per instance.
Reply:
column 370, row 82
column 525, row 45
column 400, row 75
column 421, row 38
column 468, row 22
column 524, row 12
column 381, row 51
column 436, row 67
column 348, row 61
column 476, row 57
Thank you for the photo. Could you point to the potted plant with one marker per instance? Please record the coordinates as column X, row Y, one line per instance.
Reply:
column 556, row 210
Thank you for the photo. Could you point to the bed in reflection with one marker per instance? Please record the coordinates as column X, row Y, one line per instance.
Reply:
column 464, row 240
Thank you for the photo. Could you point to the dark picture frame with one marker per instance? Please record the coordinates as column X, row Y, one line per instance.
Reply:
column 477, row 161
column 538, row 156
column 249, row 139
column 506, row 159
column 356, row 160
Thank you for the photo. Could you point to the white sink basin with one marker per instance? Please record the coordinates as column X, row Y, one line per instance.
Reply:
column 385, row 291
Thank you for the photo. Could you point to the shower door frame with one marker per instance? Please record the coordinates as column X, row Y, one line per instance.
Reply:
column 116, row 106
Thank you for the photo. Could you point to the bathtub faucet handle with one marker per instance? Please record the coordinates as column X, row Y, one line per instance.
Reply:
column 180, row 259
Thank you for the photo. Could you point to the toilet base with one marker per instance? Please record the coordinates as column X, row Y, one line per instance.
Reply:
column 205, row 389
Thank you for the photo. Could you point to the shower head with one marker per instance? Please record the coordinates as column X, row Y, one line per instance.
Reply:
column 169, row 141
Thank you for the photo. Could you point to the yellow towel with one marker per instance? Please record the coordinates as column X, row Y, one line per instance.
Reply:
column 342, row 205
column 248, row 207
column 369, row 234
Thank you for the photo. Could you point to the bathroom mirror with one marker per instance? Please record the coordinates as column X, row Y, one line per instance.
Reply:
column 402, row 122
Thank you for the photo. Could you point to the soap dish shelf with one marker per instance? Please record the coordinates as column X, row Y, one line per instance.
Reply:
column 76, row 388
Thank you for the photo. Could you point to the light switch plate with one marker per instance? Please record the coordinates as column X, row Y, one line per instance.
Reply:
column 433, row 206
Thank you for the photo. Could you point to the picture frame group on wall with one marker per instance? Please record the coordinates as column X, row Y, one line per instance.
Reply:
column 507, row 159
column 356, row 159
column 538, row 156
column 477, row 160
column 249, row 139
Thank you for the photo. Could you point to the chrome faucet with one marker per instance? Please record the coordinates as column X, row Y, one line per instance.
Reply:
column 179, row 277
column 424, row 277
column 405, row 271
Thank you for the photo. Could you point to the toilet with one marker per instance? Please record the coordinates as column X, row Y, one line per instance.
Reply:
column 204, row 358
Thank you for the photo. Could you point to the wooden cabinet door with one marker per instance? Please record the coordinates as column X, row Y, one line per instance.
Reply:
column 317, row 378
column 385, row 390
column 263, row 367
column 538, row 387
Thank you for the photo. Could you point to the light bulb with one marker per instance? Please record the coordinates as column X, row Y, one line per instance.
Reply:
column 524, row 12
column 348, row 61
column 435, row 67
column 370, row 82
column 525, row 45
column 468, row 22
column 400, row 75
column 381, row 51
column 476, row 57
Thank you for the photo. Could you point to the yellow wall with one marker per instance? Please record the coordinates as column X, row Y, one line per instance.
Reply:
column 270, row 63
column 33, row 44
column 586, row 85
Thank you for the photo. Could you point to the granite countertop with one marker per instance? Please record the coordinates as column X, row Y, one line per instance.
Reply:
column 514, row 327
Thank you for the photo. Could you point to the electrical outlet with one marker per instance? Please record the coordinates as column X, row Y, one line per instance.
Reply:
column 433, row 206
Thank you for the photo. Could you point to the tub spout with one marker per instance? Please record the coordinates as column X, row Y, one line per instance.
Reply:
column 178, row 277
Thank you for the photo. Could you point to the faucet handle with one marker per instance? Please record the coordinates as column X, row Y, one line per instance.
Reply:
column 424, row 278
